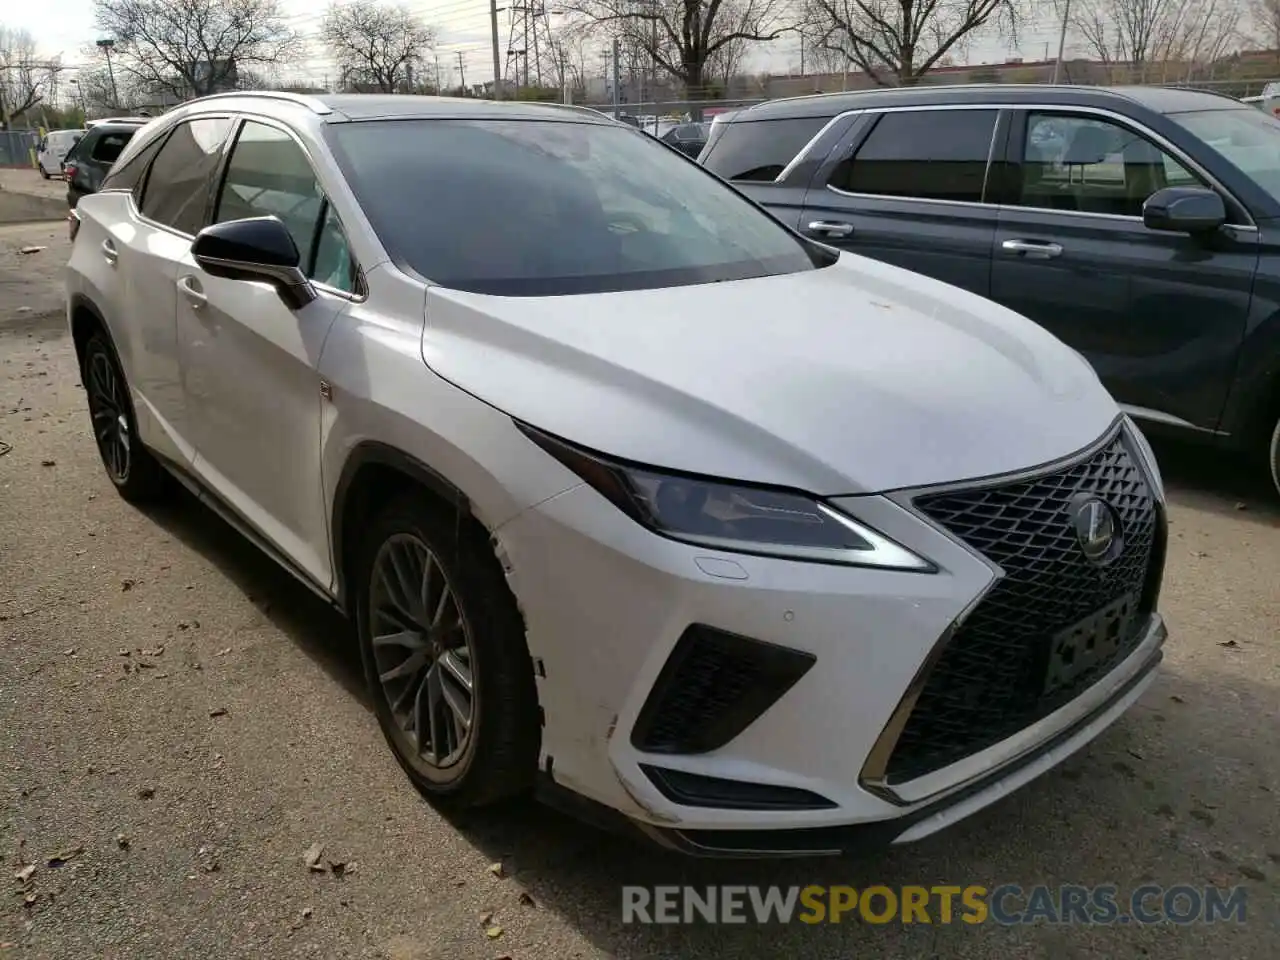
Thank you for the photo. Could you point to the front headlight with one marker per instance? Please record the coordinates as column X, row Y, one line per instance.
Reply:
column 732, row 516
column 1147, row 454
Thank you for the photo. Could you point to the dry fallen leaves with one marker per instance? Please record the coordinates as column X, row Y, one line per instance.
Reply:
column 311, row 857
column 496, row 870
column 218, row 712
column 70, row 853
column 493, row 933
column 23, row 875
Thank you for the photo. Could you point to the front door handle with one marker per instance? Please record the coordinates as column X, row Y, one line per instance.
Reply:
column 1032, row 249
column 831, row 228
column 109, row 252
column 189, row 287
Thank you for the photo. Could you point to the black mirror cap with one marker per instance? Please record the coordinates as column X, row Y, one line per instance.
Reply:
column 261, row 241
column 1184, row 210
column 256, row 248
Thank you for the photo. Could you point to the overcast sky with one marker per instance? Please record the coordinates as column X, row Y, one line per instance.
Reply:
column 66, row 26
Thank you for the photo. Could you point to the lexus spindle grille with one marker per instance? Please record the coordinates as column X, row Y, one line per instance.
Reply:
column 1054, row 623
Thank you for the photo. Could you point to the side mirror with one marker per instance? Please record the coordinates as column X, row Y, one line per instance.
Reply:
column 1184, row 210
column 257, row 248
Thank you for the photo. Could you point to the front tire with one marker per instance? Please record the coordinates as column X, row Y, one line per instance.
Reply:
column 445, row 658
column 44, row 174
column 137, row 475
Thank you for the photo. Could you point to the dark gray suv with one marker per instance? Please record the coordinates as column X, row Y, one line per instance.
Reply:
column 1140, row 225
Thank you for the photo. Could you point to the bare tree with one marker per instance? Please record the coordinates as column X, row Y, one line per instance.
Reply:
column 377, row 45
column 191, row 48
column 1157, row 40
column 96, row 95
column 26, row 78
column 682, row 37
column 723, row 65
column 896, row 42
column 1266, row 21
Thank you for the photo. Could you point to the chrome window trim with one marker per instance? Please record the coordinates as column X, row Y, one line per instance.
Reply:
column 1034, row 107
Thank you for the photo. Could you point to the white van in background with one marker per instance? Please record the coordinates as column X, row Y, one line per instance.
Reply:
column 53, row 149
column 1271, row 99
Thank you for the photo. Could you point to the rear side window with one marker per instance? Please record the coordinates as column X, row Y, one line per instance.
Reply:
column 177, row 188
column 925, row 154
column 760, row 149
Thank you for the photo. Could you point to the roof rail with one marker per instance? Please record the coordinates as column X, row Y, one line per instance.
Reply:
column 314, row 104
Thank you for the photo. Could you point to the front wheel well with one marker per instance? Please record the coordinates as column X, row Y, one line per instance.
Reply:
column 374, row 476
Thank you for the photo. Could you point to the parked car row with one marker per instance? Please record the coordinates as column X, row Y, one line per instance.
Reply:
column 57, row 148
column 1141, row 226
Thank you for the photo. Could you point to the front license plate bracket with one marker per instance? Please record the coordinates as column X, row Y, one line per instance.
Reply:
column 1094, row 641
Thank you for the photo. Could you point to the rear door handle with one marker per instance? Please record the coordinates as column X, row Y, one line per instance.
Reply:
column 1033, row 249
column 109, row 252
column 189, row 287
column 831, row 228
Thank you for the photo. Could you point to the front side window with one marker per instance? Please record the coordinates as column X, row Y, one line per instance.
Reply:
column 269, row 175
column 1086, row 164
column 177, row 188
column 922, row 154
column 545, row 208
column 759, row 150
column 1247, row 139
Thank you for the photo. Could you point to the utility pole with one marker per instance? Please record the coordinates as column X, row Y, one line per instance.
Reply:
column 1062, row 40
column 497, row 59
column 653, row 87
column 106, row 45
column 437, row 63
column 617, row 55
column 462, row 72
column 564, row 75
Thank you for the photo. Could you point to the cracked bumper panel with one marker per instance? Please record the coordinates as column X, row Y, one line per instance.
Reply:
column 606, row 602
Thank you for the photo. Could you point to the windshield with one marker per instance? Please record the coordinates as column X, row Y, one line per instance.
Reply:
column 1249, row 139
column 545, row 208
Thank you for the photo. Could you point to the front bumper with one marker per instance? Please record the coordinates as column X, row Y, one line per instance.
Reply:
column 606, row 604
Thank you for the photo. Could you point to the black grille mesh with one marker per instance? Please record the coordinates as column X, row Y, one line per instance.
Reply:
column 712, row 687
column 989, row 681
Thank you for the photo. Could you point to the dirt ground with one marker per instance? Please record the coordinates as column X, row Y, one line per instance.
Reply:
column 180, row 721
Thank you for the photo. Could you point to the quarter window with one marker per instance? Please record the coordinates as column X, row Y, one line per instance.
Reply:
column 1092, row 165
column 269, row 175
column 760, row 149
column 924, row 154
column 177, row 188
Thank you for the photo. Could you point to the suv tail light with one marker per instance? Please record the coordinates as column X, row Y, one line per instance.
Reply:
column 73, row 224
column 68, row 170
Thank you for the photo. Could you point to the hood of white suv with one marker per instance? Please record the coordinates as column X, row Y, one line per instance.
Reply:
column 857, row 378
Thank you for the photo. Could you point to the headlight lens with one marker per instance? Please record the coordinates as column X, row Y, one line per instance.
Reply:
column 734, row 517
column 1147, row 454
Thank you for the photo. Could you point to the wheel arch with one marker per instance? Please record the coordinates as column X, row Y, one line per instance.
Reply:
column 86, row 320
column 373, row 474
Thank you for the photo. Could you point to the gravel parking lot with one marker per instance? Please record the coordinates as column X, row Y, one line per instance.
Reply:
column 180, row 721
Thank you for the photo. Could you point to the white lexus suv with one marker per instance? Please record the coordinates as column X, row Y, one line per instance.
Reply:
column 633, row 493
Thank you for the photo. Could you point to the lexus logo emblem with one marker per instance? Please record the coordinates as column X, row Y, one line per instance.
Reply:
column 1096, row 529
